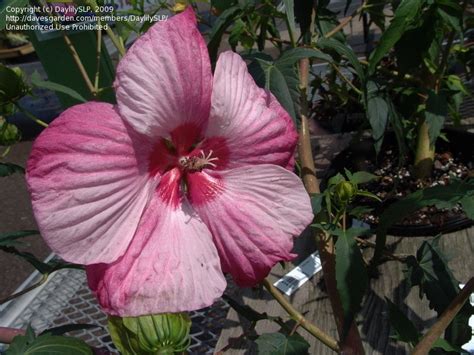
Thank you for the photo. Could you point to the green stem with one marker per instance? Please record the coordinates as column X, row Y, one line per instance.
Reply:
column 30, row 115
column 424, row 155
column 300, row 319
column 99, row 51
column 26, row 290
column 115, row 41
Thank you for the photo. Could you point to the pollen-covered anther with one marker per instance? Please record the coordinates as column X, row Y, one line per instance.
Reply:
column 197, row 163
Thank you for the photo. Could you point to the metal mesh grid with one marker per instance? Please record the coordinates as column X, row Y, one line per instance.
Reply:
column 67, row 299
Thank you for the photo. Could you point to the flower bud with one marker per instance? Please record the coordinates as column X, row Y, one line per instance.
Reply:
column 166, row 333
column 344, row 192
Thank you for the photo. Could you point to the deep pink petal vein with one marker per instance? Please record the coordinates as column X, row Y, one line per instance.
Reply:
column 188, row 177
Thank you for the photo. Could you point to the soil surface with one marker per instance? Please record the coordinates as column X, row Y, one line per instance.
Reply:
column 397, row 181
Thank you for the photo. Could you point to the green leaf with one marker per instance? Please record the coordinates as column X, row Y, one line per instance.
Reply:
column 317, row 203
column 38, row 82
column 12, row 85
column 429, row 270
column 9, row 133
column 344, row 50
column 404, row 329
column 290, row 15
column 3, row 10
column 451, row 17
column 281, row 344
column 362, row 177
column 377, row 112
column 403, row 17
column 435, row 114
column 10, row 239
column 291, row 56
column 446, row 346
column 48, row 345
column 7, row 169
column 351, row 274
column 224, row 20
column 69, row 328
column 222, row 5
column 467, row 204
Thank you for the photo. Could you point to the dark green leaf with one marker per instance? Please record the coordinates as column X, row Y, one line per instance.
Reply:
column 344, row 50
column 291, row 56
column 316, row 203
column 7, row 169
column 38, row 82
column 435, row 114
column 49, row 345
column 404, row 329
column 10, row 238
column 429, row 271
column 281, row 344
column 467, row 204
column 12, row 85
column 351, row 274
column 446, row 346
column 452, row 17
column 68, row 328
column 404, row 15
column 224, row 20
column 362, row 177
column 290, row 15
column 377, row 112
column 222, row 5
column 447, row 196
column 9, row 133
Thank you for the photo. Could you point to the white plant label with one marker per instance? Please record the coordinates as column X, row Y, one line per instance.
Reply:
column 293, row 280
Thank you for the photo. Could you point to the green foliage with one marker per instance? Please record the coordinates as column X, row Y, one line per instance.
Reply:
column 68, row 328
column 351, row 273
column 225, row 19
column 282, row 344
column 12, row 84
column 280, row 76
column 458, row 191
column 38, row 82
column 403, row 18
column 10, row 239
column 47, row 344
column 7, row 169
column 429, row 271
column 377, row 112
column 9, row 135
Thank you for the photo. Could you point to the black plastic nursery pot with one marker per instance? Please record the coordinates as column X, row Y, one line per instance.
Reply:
column 361, row 156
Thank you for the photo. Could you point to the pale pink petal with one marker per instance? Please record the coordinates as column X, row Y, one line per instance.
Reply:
column 171, row 266
column 246, row 121
column 87, row 188
column 165, row 80
column 253, row 213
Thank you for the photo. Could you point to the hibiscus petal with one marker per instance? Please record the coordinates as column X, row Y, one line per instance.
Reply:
column 255, row 127
column 87, row 188
column 253, row 212
column 171, row 265
column 165, row 80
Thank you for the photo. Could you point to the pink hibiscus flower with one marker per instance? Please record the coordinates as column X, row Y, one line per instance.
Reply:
column 182, row 181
